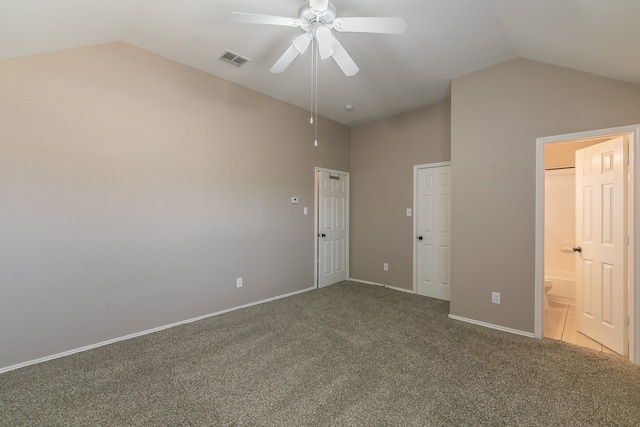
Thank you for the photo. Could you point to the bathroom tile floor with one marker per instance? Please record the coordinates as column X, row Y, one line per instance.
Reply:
column 560, row 324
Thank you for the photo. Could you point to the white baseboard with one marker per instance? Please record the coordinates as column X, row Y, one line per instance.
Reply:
column 492, row 326
column 451, row 316
column 410, row 291
column 149, row 331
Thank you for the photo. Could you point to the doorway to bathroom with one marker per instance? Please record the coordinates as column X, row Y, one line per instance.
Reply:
column 589, row 299
column 564, row 260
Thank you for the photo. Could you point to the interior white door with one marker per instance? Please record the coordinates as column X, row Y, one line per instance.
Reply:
column 333, row 227
column 433, row 229
column 602, row 243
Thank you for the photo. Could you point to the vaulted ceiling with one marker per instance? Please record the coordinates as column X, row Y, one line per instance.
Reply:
column 444, row 39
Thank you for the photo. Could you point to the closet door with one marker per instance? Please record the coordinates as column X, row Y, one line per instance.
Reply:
column 433, row 231
column 333, row 226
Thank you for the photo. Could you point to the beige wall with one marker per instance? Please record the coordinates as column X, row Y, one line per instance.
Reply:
column 383, row 154
column 134, row 190
column 497, row 114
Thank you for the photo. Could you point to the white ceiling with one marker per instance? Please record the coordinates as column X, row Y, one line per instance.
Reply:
column 444, row 39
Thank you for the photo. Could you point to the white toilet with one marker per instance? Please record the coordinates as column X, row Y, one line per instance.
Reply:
column 548, row 284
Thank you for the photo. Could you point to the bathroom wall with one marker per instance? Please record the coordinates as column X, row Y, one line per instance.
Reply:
column 559, row 233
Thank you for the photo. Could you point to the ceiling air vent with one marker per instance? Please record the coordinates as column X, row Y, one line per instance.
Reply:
column 233, row 58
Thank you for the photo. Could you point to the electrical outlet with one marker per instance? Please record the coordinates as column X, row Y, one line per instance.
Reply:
column 239, row 282
column 385, row 266
column 495, row 297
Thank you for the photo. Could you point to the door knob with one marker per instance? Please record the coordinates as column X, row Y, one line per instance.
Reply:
column 322, row 235
column 578, row 249
column 419, row 237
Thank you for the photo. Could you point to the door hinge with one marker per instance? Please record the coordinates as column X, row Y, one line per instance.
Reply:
column 626, row 240
column 627, row 321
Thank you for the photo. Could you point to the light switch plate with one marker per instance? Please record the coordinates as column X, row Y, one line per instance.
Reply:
column 495, row 297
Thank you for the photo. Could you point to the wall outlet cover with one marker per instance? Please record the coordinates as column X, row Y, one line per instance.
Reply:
column 495, row 297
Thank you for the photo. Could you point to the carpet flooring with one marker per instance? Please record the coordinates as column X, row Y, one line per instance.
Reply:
column 347, row 355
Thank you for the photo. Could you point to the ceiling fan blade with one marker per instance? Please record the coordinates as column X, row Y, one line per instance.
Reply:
column 342, row 58
column 325, row 40
column 285, row 60
column 302, row 42
column 319, row 5
column 253, row 18
column 388, row 25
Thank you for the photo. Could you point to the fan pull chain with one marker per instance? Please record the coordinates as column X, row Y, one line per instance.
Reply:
column 315, row 143
column 312, row 78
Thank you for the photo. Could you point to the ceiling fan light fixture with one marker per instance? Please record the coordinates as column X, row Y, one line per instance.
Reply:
column 325, row 39
column 302, row 42
column 317, row 18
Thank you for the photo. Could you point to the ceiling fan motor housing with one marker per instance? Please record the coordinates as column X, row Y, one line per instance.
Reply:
column 308, row 17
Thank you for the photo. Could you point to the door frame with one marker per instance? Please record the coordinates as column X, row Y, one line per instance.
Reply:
column 316, row 219
column 415, row 216
column 634, row 222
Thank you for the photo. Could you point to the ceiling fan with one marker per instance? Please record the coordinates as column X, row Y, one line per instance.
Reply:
column 318, row 19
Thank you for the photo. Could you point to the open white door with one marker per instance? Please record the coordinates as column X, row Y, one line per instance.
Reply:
column 333, row 226
column 433, row 230
column 602, row 243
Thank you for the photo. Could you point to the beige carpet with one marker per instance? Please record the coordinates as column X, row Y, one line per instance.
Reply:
column 347, row 355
